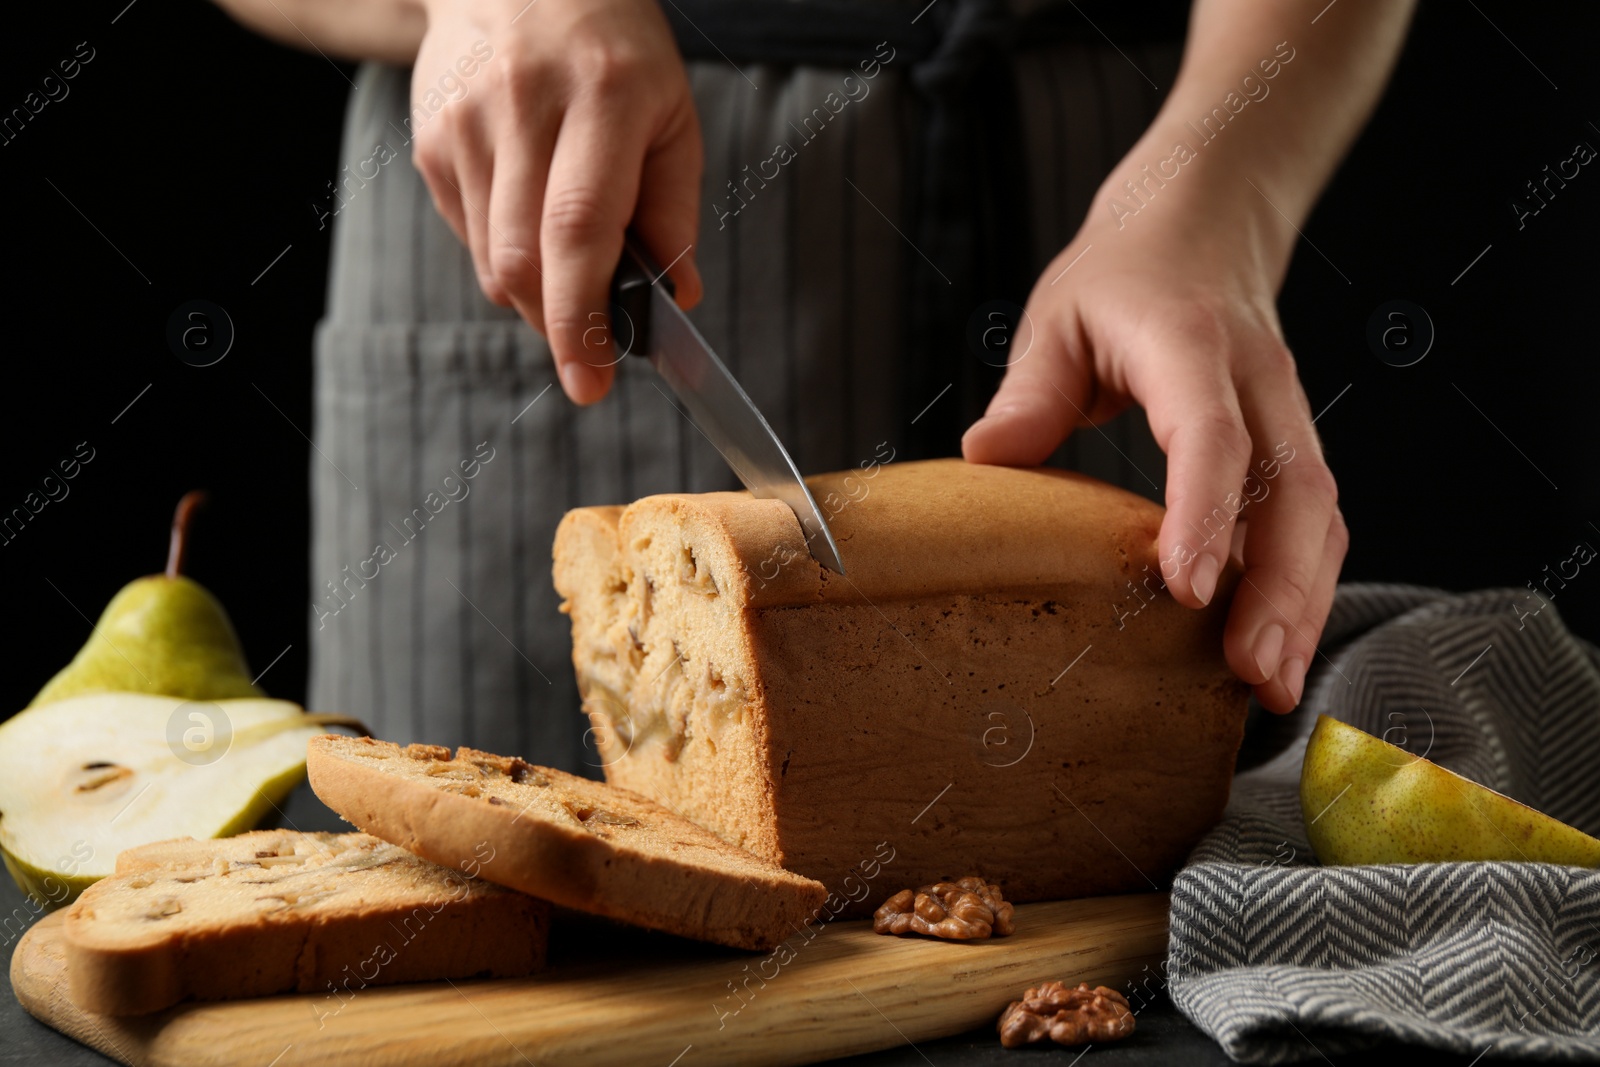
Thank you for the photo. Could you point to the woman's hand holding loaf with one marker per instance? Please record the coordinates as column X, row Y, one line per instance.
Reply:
column 1166, row 298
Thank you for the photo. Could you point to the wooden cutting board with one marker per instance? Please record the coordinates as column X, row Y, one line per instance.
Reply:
column 615, row 996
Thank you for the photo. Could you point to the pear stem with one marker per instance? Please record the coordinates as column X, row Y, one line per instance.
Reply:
column 179, row 546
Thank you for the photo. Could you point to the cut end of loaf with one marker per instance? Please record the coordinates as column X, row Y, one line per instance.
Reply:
column 659, row 604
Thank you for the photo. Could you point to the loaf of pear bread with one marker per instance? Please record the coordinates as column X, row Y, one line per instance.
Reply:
column 998, row 684
column 572, row 841
column 275, row 911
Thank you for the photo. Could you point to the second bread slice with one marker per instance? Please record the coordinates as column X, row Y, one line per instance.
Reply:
column 569, row 840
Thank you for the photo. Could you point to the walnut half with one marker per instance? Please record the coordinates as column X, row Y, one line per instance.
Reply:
column 1066, row 1016
column 957, row 911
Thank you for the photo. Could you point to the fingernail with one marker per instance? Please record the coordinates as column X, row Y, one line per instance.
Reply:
column 580, row 381
column 1269, row 645
column 1204, row 579
column 1293, row 675
column 986, row 418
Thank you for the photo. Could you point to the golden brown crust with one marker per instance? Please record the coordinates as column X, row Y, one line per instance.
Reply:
column 934, row 528
column 569, row 840
column 276, row 911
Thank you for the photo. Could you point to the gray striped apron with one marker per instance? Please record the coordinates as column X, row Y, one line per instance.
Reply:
column 445, row 452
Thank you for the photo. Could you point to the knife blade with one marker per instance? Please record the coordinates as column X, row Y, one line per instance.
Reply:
column 652, row 326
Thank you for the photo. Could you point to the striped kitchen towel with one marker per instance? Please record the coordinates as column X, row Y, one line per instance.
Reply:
column 1281, row 960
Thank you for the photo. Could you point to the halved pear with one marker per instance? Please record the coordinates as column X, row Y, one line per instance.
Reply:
column 82, row 779
column 1367, row 801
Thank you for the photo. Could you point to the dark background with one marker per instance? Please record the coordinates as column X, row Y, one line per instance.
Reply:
column 197, row 150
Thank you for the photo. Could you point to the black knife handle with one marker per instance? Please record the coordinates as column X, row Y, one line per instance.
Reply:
column 630, row 292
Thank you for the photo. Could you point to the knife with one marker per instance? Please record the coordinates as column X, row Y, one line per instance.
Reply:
column 655, row 328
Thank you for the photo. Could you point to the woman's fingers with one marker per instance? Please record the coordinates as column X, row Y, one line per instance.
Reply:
column 668, row 213
column 438, row 173
column 1282, row 692
column 456, row 160
column 1195, row 418
column 474, row 169
column 516, row 202
column 1295, row 539
column 593, row 186
column 1046, row 392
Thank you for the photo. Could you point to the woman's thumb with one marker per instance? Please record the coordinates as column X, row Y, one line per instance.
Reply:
column 1039, row 402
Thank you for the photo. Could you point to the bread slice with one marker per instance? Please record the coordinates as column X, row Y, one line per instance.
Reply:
column 999, row 683
column 279, row 910
column 575, row 842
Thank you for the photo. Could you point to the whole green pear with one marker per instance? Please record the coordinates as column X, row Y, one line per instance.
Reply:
column 1367, row 801
column 162, row 634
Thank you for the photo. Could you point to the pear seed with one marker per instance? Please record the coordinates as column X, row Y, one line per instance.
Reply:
column 98, row 775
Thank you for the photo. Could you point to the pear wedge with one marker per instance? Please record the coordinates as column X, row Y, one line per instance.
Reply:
column 82, row 779
column 1366, row 801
